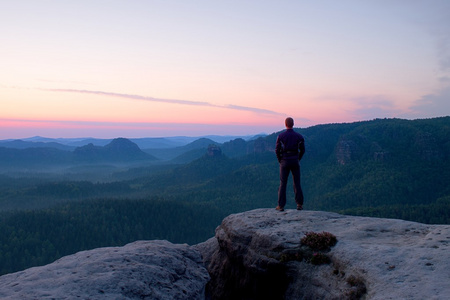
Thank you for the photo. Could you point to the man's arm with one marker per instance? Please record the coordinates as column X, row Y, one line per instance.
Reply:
column 301, row 149
column 278, row 148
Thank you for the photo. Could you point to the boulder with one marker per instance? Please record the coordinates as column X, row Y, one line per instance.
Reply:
column 140, row 270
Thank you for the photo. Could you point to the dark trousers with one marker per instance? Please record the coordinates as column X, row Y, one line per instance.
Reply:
column 289, row 166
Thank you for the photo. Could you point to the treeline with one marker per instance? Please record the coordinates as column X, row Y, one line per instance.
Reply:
column 372, row 184
column 35, row 193
column 434, row 213
column 31, row 238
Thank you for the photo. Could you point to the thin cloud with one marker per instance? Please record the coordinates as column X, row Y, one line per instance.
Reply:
column 252, row 109
column 134, row 97
column 432, row 105
column 172, row 101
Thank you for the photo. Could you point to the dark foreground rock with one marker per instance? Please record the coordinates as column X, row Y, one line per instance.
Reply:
column 140, row 270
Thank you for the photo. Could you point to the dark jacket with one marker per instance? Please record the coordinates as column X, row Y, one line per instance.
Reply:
column 290, row 144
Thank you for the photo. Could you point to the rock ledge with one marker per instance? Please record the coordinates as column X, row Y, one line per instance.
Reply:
column 373, row 259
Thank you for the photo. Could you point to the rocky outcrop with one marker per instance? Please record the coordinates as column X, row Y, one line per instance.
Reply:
column 261, row 145
column 235, row 148
column 214, row 150
column 257, row 255
column 140, row 270
column 347, row 150
column 352, row 148
column 239, row 147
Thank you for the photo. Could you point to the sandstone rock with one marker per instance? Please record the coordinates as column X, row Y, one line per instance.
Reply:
column 346, row 151
column 214, row 150
column 261, row 145
column 373, row 258
column 140, row 270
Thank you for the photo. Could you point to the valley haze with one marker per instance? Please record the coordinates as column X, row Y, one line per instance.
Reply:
column 144, row 142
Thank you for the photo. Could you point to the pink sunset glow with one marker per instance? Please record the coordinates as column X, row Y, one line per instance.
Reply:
column 152, row 69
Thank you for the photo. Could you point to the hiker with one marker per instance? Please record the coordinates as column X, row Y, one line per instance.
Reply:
column 289, row 149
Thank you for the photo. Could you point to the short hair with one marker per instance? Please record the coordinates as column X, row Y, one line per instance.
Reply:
column 289, row 122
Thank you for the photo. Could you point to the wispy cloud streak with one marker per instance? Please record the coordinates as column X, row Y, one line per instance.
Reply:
column 134, row 97
column 172, row 101
column 252, row 109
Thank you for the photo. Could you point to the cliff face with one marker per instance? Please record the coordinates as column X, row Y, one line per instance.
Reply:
column 257, row 255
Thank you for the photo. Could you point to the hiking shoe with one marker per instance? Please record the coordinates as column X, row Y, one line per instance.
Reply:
column 299, row 207
column 279, row 208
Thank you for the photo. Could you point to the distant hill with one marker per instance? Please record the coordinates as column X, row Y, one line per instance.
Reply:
column 184, row 153
column 143, row 143
column 179, row 149
column 33, row 157
column 72, row 142
column 20, row 144
column 118, row 150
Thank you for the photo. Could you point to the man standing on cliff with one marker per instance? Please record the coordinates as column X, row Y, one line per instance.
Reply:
column 289, row 149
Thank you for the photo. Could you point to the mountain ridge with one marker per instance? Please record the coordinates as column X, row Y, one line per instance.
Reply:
column 143, row 143
column 118, row 150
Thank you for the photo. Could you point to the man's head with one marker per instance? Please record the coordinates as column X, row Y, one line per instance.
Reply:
column 289, row 122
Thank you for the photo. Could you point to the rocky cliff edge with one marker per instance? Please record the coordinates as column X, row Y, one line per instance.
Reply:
column 257, row 255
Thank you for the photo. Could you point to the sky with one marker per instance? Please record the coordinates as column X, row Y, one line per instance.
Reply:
column 154, row 68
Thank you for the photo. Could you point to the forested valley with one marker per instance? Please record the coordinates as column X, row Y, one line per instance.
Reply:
column 55, row 202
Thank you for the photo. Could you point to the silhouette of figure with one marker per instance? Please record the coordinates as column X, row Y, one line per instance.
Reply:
column 289, row 148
